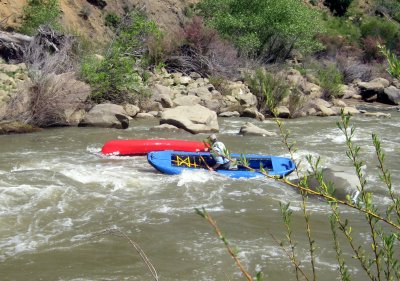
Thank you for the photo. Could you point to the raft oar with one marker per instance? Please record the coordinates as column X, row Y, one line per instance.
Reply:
column 205, row 163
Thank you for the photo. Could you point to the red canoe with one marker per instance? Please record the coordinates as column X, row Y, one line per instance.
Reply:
column 142, row 147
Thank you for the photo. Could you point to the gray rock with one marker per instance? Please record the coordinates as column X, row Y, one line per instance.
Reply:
column 162, row 90
column 194, row 119
column 229, row 114
column 194, row 75
column 351, row 110
column 165, row 127
column 344, row 182
column 390, row 95
column 16, row 127
column 186, row 100
column 164, row 100
column 377, row 114
column 145, row 115
column 203, row 93
column 108, row 116
column 131, row 109
column 370, row 90
column 251, row 129
column 325, row 111
column 253, row 113
column 247, row 100
column 213, row 105
column 339, row 103
column 282, row 111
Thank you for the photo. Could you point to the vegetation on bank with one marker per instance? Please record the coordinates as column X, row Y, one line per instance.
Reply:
column 121, row 74
column 269, row 30
column 40, row 12
column 219, row 37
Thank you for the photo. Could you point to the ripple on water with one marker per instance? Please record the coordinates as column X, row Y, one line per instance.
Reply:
column 58, row 196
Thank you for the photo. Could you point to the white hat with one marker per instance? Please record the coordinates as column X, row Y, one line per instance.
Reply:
column 213, row 137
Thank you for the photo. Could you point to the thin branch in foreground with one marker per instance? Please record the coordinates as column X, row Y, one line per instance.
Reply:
column 143, row 256
column 291, row 258
column 204, row 214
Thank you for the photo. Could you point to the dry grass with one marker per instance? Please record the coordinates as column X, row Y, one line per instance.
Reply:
column 52, row 91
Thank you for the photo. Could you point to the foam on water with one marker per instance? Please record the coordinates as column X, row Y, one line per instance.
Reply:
column 188, row 177
column 61, row 198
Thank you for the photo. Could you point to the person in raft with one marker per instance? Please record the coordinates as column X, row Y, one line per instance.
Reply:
column 219, row 153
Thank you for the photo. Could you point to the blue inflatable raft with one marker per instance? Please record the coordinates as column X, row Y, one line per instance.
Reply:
column 174, row 162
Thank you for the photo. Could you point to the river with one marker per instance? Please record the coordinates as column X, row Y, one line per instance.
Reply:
column 59, row 196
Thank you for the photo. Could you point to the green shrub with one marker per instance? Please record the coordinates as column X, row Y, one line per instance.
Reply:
column 331, row 80
column 371, row 51
column 338, row 7
column 393, row 62
column 387, row 31
column 117, row 77
column 112, row 20
column 391, row 7
column 343, row 27
column 39, row 12
column 269, row 29
column 270, row 90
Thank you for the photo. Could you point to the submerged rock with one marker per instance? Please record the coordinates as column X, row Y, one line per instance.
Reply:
column 16, row 127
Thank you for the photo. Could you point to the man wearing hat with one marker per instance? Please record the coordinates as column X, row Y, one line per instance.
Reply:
column 219, row 153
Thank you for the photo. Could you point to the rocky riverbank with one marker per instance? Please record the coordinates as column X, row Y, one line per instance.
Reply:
column 192, row 103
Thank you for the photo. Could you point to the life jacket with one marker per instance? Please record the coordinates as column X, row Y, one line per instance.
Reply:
column 218, row 149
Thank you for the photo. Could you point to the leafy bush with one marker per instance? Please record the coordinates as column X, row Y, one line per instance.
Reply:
column 39, row 12
column 198, row 36
column 112, row 20
column 387, row 31
column 270, row 90
column 117, row 77
column 338, row 7
column 331, row 80
column 197, row 48
column 341, row 26
column 393, row 61
column 390, row 7
column 371, row 50
column 269, row 29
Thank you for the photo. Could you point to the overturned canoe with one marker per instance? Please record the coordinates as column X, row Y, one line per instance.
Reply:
column 144, row 146
column 174, row 162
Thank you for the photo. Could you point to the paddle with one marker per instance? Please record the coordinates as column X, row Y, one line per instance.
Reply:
column 205, row 163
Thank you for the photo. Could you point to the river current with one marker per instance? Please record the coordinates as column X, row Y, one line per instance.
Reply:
column 59, row 196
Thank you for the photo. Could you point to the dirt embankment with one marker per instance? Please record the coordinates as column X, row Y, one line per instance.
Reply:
column 79, row 16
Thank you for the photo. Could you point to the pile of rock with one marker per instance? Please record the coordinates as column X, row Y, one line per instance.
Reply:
column 12, row 76
column 192, row 103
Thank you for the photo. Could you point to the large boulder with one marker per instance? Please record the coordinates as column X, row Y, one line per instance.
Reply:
column 108, row 116
column 163, row 95
column 370, row 90
column 344, row 182
column 186, row 100
column 282, row 111
column 253, row 113
column 202, row 92
column 390, row 95
column 194, row 119
column 251, row 129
